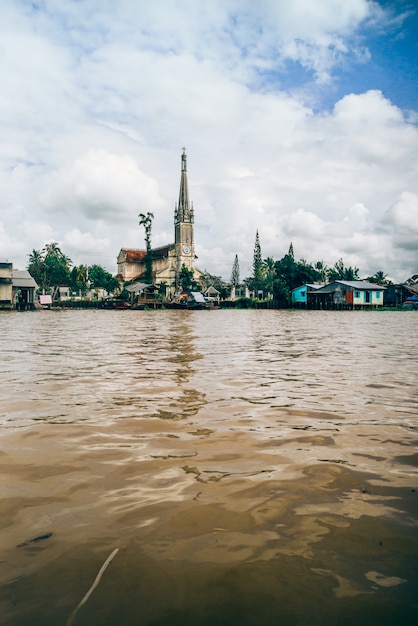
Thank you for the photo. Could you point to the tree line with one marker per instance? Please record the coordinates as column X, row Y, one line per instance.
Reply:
column 269, row 278
column 51, row 268
column 277, row 279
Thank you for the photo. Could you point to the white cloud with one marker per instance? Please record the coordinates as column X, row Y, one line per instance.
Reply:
column 403, row 214
column 303, row 224
column 402, row 220
column 81, row 247
column 98, row 99
column 101, row 186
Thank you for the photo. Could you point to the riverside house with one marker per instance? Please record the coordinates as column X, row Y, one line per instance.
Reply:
column 300, row 294
column 346, row 294
column 6, row 286
column 24, row 290
column 17, row 288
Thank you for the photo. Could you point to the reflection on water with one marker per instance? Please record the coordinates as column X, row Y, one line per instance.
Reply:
column 251, row 467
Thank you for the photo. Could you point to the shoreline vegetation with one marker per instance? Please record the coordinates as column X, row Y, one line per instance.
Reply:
column 240, row 304
column 271, row 285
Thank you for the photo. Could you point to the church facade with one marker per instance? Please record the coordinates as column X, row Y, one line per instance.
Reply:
column 167, row 261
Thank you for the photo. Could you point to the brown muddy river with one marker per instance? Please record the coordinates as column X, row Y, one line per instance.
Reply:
column 208, row 468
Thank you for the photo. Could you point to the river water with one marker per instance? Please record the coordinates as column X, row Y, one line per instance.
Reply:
column 208, row 468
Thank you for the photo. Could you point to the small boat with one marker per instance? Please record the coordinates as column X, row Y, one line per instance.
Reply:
column 189, row 300
column 115, row 304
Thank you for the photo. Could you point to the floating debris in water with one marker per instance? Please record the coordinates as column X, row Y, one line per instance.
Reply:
column 93, row 587
column 34, row 540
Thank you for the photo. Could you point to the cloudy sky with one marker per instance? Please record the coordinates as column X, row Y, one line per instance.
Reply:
column 300, row 120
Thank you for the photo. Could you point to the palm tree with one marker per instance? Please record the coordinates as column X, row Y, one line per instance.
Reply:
column 146, row 222
column 36, row 265
column 322, row 270
column 52, row 249
column 81, row 275
column 82, row 272
column 380, row 278
column 35, row 257
column 340, row 272
column 269, row 266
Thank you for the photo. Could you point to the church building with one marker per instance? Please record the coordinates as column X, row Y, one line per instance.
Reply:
column 167, row 261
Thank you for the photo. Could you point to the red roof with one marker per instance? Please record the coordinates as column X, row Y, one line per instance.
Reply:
column 138, row 256
column 134, row 256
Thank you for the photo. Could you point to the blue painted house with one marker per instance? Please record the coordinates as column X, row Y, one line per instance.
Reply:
column 300, row 294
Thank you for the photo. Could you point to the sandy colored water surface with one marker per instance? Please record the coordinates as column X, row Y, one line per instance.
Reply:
column 251, row 467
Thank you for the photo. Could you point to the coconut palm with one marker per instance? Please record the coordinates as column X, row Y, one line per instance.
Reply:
column 36, row 265
column 380, row 278
column 145, row 220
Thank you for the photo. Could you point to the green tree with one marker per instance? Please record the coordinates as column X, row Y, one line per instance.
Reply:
column 50, row 266
column 57, row 265
column 82, row 274
column 286, row 271
column 305, row 273
column 256, row 282
column 209, row 280
column 281, row 292
column 100, row 278
column 78, row 278
column 379, row 278
column 269, row 267
column 186, row 278
column 146, row 222
column 36, row 266
column 235, row 272
column 322, row 270
column 341, row 272
column 290, row 274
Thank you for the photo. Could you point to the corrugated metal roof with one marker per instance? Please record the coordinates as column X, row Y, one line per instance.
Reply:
column 198, row 296
column 361, row 285
column 309, row 286
column 22, row 278
column 135, row 287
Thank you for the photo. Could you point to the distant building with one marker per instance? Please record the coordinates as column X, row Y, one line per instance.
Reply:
column 6, row 285
column 346, row 294
column 300, row 294
column 212, row 294
column 167, row 261
column 395, row 295
column 62, row 293
column 17, row 288
column 239, row 291
column 24, row 290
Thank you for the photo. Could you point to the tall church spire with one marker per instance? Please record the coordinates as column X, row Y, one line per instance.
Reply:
column 184, row 212
column 183, row 224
